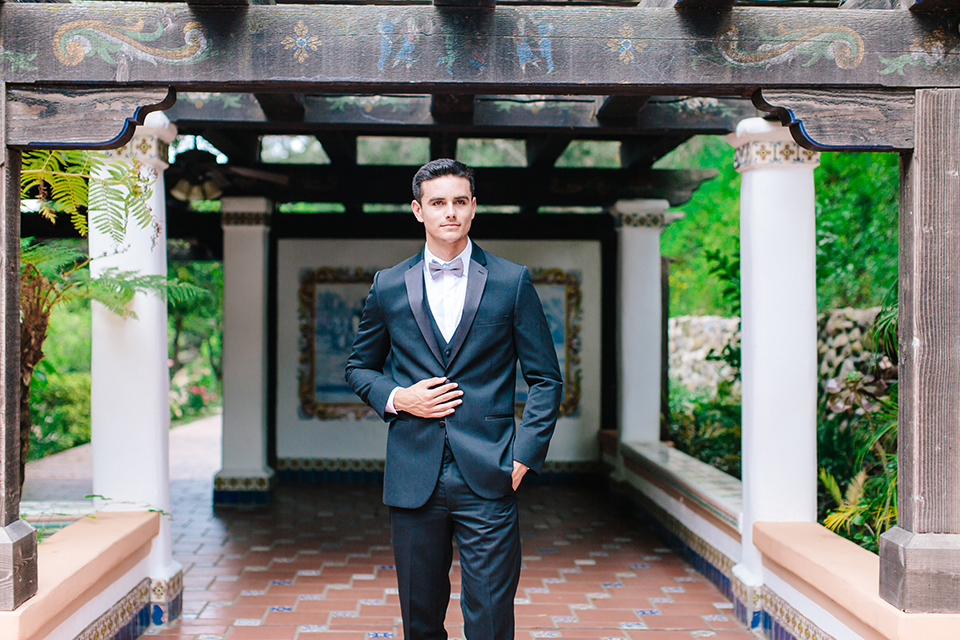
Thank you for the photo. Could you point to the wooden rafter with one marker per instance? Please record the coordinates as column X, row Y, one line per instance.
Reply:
column 543, row 150
column 281, row 107
column 621, row 109
column 340, row 147
column 390, row 114
column 499, row 186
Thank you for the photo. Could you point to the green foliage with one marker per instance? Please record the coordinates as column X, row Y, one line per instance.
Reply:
column 707, row 428
column 196, row 341
column 60, row 404
column 856, row 228
column 70, row 181
column 726, row 269
column 712, row 219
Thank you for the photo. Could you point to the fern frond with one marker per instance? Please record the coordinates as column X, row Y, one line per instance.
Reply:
column 49, row 259
column 179, row 292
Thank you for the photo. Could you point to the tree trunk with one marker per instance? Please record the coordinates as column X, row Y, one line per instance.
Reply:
column 34, row 299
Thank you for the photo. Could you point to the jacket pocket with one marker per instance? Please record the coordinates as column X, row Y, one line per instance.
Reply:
column 486, row 320
column 499, row 416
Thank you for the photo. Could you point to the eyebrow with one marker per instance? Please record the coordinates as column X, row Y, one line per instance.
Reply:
column 439, row 198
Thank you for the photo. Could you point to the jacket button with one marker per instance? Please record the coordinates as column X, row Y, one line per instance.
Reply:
column 443, row 424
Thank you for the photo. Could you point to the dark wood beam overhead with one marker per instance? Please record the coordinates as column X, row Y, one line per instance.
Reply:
column 339, row 146
column 499, row 186
column 233, row 3
column 239, row 146
column 443, row 145
column 452, row 107
column 703, row 4
column 388, row 115
column 621, row 109
column 281, row 107
column 871, row 4
column 543, row 150
column 933, row 5
column 593, row 50
column 475, row 4
column 641, row 153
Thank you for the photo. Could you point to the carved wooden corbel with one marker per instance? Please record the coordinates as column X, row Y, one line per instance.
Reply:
column 831, row 120
column 101, row 118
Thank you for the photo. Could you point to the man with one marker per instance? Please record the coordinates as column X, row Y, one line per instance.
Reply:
column 455, row 320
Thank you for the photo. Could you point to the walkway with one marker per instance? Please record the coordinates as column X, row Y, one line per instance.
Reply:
column 317, row 564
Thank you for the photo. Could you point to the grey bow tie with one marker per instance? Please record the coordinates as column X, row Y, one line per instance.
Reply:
column 436, row 270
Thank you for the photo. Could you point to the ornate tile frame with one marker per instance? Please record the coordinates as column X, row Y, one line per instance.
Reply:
column 312, row 407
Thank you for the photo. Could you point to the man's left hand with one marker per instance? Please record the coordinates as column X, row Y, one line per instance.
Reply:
column 519, row 469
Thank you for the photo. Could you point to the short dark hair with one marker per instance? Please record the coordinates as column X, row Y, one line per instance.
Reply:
column 439, row 168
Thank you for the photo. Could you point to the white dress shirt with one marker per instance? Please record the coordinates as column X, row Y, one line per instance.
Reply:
column 445, row 295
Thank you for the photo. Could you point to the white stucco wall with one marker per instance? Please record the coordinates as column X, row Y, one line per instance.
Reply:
column 576, row 436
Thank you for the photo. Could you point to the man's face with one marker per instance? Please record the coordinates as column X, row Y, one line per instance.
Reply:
column 446, row 211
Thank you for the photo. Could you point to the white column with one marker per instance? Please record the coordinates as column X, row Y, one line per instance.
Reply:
column 130, row 379
column 640, row 318
column 779, row 331
column 245, row 477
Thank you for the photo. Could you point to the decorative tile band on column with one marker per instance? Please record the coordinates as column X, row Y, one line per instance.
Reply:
column 236, row 491
column 783, row 622
column 765, row 153
column 126, row 620
column 166, row 600
column 244, row 219
column 640, row 220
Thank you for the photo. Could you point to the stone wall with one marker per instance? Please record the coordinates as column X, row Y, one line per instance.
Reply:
column 841, row 346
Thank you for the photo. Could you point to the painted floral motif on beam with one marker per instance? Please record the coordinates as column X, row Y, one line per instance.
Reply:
column 301, row 42
column 832, row 42
column 76, row 40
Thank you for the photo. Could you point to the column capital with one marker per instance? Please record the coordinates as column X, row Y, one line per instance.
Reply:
column 761, row 143
column 643, row 213
column 150, row 145
column 245, row 211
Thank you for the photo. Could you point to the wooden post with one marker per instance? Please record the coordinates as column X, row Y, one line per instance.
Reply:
column 920, row 557
column 18, row 540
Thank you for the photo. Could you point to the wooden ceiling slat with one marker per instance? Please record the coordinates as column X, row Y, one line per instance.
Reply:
column 282, row 107
column 495, row 186
column 621, row 108
column 543, row 151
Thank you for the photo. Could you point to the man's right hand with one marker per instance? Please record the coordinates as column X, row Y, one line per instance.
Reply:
column 431, row 398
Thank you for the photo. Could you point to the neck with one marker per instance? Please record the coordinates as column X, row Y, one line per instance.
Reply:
column 447, row 252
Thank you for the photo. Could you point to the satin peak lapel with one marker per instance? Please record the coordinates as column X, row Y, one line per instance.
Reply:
column 414, row 280
column 471, row 302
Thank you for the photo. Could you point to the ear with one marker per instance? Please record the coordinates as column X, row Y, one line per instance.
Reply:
column 417, row 210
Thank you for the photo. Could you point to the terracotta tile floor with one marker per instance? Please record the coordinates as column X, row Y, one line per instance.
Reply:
column 317, row 565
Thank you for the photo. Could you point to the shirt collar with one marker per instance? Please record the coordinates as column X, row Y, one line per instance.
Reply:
column 464, row 255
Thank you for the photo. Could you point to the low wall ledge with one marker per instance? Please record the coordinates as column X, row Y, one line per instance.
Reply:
column 719, row 493
column 74, row 563
column 844, row 579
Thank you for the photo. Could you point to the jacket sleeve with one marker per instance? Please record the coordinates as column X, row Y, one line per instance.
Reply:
column 364, row 372
column 541, row 371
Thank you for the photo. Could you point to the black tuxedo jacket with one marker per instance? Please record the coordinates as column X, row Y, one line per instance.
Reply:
column 502, row 323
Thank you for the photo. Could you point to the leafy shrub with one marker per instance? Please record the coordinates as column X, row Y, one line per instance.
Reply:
column 60, row 406
column 707, row 427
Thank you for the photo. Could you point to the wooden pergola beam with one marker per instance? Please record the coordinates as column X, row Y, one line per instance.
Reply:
column 572, row 49
column 281, row 107
column 543, row 150
column 498, row 186
column 621, row 109
column 340, row 147
column 388, row 115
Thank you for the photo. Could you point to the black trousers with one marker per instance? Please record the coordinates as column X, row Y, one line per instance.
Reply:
column 488, row 538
